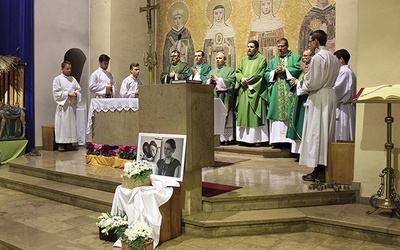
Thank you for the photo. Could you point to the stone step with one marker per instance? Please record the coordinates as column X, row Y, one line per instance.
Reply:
column 287, row 220
column 93, row 181
column 265, row 151
column 262, row 202
column 92, row 199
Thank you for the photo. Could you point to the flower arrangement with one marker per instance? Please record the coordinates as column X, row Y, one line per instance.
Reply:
column 127, row 152
column 140, row 170
column 99, row 149
column 136, row 235
column 109, row 222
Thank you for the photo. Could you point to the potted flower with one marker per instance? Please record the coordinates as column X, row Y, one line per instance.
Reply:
column 137, row 237
column 99, row 149
column 99, row 154
column 127, row 152
column 136, row 173
column 109, row 224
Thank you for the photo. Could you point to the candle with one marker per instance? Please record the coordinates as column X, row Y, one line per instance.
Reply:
column 108, row 89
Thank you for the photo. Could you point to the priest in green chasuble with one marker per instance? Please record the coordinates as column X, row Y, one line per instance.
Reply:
column 297, row 105
column 200, row 70
column 223, row 78
column 251, row 103
column 280, row 71
column 177, row 70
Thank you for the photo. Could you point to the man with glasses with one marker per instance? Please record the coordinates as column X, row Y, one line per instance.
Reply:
column 280, row 71
column 319, row 119
column 297, row 108
column 176, row 70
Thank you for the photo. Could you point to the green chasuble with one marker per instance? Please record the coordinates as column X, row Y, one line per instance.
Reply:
column 296, row 114
column 251, row 100
column 279, row 88
column 228, row 97
column 203, row 71
column 182, row 71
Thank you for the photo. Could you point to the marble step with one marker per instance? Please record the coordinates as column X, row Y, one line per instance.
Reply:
column 334, row 221
column 265, row 151
column 221, row 203
column 78, row 177
column 88, row 198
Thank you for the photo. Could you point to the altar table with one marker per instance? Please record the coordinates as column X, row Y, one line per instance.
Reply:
column 113, row 121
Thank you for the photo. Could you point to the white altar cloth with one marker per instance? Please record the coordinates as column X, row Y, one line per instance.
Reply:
column 219, row 116
column 110, row 104
column 142, row 204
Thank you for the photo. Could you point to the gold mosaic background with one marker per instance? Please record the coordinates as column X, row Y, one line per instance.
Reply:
column 291, row 13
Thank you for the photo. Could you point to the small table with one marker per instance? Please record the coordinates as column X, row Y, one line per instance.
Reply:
column 387, row 187
column 157, row 206
column 113, row 121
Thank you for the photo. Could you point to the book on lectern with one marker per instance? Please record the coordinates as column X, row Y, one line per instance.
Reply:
column 382, row 92
column 186, row 81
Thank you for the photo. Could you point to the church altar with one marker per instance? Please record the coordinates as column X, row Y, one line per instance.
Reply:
column 157, row 206
column 115, row 121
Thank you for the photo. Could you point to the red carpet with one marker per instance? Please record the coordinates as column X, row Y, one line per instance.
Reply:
column 212, row 189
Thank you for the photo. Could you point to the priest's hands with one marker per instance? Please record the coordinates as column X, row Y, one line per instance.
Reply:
column 72, row 94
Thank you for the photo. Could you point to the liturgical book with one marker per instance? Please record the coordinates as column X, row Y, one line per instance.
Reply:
column 382, row 92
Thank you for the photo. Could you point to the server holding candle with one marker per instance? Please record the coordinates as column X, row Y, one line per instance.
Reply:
column 102, row 82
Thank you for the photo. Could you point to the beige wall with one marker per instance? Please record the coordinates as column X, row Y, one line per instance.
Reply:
column 120, row 31
column 59, row 26
column 378, row 37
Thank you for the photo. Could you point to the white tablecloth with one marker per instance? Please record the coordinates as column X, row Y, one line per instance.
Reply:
column 142, row 204
column 110, row 104
column 219, row 116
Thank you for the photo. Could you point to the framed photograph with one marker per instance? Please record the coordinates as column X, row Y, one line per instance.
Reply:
column 166, row 152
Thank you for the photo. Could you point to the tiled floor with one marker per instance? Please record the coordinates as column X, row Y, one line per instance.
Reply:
column 30, row 222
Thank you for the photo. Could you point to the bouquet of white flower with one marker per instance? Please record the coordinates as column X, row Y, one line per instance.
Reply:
column 136, row 236
column 107, row 222
column 136, row 170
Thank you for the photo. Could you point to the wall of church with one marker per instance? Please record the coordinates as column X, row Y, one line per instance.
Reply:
column 201, row 25
column 118, row 29
column 377, row 37
column 59, row 26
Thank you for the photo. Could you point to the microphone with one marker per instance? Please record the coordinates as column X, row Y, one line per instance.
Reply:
column 177, row 42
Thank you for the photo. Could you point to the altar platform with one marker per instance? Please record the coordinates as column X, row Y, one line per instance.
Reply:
column 272, row 200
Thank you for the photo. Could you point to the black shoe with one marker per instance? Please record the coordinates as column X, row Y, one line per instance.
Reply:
column 308, row 177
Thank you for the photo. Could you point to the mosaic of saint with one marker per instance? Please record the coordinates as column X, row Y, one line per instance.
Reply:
column 320, row 17
column 220, row 36
column 179, row 37
column 267, row 28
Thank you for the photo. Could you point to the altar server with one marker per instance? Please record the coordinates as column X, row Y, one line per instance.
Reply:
column 102, row 81
column 67, row 94
column 130, row 85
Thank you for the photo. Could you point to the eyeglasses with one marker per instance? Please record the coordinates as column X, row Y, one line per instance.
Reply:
column 304, row 55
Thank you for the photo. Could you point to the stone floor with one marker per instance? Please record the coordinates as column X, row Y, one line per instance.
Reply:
column 30, row 222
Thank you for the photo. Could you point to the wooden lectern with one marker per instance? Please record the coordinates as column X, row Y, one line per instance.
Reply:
column 186, row 109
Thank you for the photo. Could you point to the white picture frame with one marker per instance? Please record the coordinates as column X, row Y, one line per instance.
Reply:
column 166, row 152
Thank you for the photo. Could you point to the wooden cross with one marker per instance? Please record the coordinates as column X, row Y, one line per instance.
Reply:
column 148, row 10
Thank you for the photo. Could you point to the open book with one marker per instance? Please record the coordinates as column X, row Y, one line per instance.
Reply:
column 383, row 92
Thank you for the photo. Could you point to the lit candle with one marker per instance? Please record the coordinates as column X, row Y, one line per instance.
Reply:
column 108, row 89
